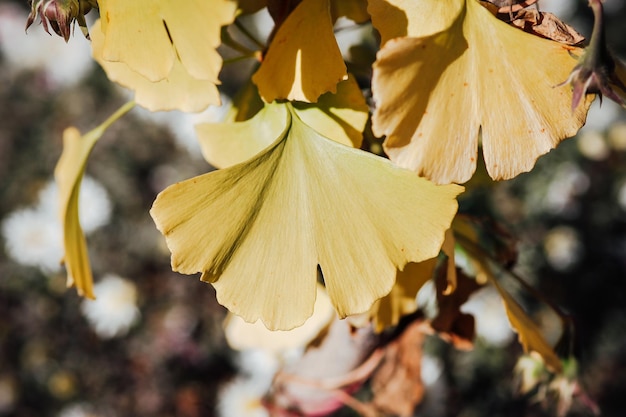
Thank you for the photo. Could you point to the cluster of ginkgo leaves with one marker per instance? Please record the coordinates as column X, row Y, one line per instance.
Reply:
column 294, row 198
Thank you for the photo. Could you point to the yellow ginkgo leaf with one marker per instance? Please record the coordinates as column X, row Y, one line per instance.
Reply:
column 242, row 335
column 229, row 143
column 401, row 300
column 341, row 117
column 259, row 230
column 529, row 333
column 150, row 35
column 303, row 61
column 69, row 174
column 178, row 90
column 355, row 10
column 399, row 18
column 436, row 93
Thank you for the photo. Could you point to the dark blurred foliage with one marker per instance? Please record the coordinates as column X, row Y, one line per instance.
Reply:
column 50, row 357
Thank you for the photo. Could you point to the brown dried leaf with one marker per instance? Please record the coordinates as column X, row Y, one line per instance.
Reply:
column 547, row 26
column 451, row 323
column 397, row 384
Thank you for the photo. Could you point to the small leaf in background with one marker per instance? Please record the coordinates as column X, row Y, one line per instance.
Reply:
column 450, row 323
column 164, row 51
column 303, row 60
column 341, row 117
column 258, row 230
column 69, row 174
column 226, row 144
column 530, row 335
column 401, row 301
column 437, row 94
column 178, row 90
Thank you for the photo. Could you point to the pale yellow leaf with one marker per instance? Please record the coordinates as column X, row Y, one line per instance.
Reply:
column 529, row 333
column 399, row 18
column 341, row 117
column 178, row 90
column 242, row 335
column 150, row 35
column 68, row 174
column 303, row 61
column 436, row 94
column 401, row 300
column 258, row 230
column 355, row 10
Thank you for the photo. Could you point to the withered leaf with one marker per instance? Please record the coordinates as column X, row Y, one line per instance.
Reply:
column 547, row 26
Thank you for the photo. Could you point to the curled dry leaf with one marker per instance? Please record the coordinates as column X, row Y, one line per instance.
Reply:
column 450, row 322
column 437, row 95
column 547, row 26
column 322, row 380
column 358, row 216
column 397, row 384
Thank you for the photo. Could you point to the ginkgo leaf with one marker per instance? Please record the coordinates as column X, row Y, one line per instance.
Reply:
column 163, row 50
column 355, row 10
column 401, row 300
column 150, row 35
column 241, row 335
column 303, row 61
column 530, row 335
column 178, row 90
column 437, row 93
column 399, row 18
column 69, row 174
column 341, row 117
column 226, row 144
column 258, row 230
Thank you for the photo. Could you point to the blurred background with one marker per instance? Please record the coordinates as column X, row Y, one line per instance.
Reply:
column 153, row 343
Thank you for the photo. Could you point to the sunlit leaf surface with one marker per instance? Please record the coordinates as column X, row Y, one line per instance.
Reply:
column 68, row 175
column 303, row 61
column 258, row 230
column 479, row 80
column 170, row 44
column 341, row 117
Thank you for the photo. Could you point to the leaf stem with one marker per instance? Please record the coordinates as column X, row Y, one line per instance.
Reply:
column 476, row 250
column 115, row 116
column 244, row 30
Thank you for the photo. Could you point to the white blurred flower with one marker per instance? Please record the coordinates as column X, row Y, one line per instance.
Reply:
column 492, row 324
column 34, row 238
column 592, row 145
column 93, row 202
column 427, row 299
column 77, row 410
column 242, row 398
column 569, row 181
column 114, row 310
column 431, row 369
column 182, row 124
column 563, row 247
column 64, row 64
column 259, row 364
column 621, row 196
